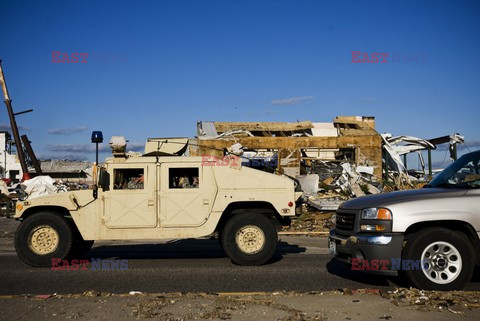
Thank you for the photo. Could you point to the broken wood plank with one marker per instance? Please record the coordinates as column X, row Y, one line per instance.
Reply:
column 222, row 127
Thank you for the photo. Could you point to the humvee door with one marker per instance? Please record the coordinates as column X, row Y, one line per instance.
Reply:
column 131, row 200
column 187, row 194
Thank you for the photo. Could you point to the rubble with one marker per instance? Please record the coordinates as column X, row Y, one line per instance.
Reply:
column 42, row 186
column 312, row 221
column 346, row 304
column 39, row 186
column 396, row 146
column 347, row 138
column 329, row 184
column 452, row 301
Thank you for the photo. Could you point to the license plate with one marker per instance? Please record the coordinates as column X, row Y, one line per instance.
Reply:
column 332, row 247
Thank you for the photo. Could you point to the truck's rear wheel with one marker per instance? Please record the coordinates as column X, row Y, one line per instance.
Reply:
column 446, row 259
column 249, row 239
column 42, row 237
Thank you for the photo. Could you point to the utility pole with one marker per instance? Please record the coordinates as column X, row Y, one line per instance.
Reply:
column 31, row 154
column 13, row 125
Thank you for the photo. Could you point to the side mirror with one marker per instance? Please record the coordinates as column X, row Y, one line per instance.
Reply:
column 104, row 180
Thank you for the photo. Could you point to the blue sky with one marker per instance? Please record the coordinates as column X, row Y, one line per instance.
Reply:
column 156, row 67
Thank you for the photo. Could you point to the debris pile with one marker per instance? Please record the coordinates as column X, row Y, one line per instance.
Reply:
column 36, row 187
column 39, row 186
column 312, row 221
column 328, row 184
column 452, row 301
column 398, row 147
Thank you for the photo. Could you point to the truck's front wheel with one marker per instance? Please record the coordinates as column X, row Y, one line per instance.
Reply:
column 446, row 259
column 249, row 239
column 42, row 237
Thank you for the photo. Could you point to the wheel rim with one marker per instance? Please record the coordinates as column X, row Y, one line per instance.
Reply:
column 441, row 262
column 250, row 239
column 43, row 240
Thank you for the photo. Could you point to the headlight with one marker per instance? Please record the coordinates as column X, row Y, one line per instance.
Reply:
column 374, row 213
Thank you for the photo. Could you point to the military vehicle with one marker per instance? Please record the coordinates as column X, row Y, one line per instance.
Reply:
column 160, row 195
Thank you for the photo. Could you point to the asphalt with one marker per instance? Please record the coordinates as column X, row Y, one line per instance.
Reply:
column 301, row 263
column 193, row 279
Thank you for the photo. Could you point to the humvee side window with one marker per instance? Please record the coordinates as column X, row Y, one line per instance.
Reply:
column 183, row 177
column 128, row 178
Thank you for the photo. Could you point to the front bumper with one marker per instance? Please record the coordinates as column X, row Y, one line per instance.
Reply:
column 372, row 248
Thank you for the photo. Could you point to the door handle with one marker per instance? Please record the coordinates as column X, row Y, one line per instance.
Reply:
column 206, row 202
column 151, row 203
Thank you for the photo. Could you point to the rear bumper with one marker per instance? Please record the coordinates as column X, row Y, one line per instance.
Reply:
column 372, row 253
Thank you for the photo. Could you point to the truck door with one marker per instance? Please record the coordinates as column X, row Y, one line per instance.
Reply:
column 131, row 201
column 187, row 193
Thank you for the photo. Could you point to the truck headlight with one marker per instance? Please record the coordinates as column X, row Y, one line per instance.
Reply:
column 374, row 213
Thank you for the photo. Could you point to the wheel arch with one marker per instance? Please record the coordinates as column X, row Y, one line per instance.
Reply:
column 261, row 207
column 454, row 225
column 62, row 211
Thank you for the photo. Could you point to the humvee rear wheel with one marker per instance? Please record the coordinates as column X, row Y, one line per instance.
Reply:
column 42, row 237
column 249, row 239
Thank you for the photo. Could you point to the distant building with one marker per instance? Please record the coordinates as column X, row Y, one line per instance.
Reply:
column 67, row 171
column 10, row 166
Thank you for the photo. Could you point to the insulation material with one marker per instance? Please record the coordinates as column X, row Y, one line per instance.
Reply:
column 364, row 170
column 3, row 188
column 39, row 186
column 309, row 183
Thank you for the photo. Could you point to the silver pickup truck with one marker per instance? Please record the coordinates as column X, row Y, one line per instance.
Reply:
column 431, row 234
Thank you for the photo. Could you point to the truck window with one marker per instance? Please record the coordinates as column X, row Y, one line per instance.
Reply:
column 128, row 178
column 183, row 177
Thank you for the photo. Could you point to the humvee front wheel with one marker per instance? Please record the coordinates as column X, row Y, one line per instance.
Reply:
column 249, row 239
column 42, row 237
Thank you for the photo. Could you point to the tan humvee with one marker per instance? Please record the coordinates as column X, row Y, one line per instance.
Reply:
column 161, row 197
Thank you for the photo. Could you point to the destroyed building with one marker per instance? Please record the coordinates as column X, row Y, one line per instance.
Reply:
column 9, row 165
column 348, row 138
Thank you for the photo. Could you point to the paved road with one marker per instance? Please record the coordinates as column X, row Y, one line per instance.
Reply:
column 300, row 263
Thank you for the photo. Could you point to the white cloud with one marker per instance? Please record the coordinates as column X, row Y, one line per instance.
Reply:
column 292, row 100
column 90, row 148
column 6, row 127
column 70, row 157
column 66, row 131
column 71, row 148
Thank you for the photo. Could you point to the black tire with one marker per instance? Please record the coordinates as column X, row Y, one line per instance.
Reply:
column 32, row 228
column 450, row 264
column 220, row 239
column 256, row 235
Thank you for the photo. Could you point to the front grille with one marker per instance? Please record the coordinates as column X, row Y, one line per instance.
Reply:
column 345, row 221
